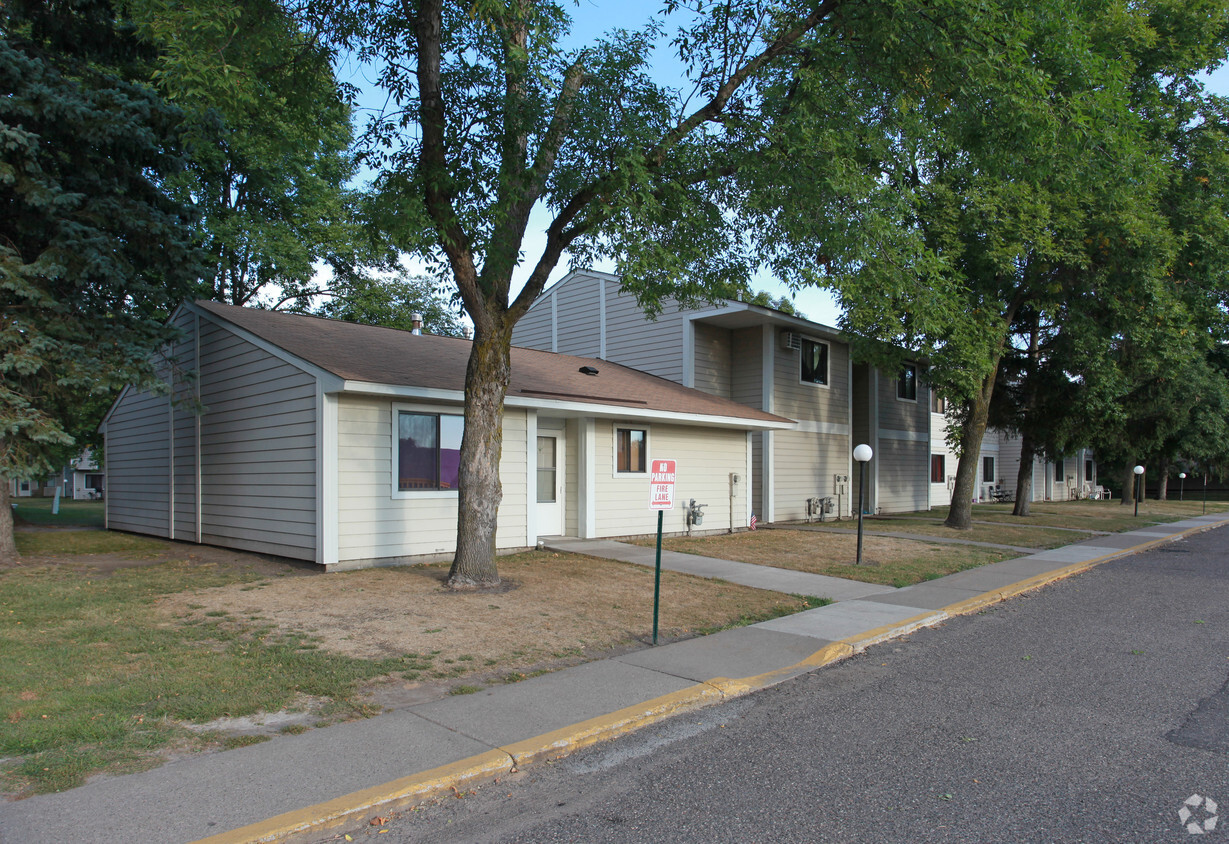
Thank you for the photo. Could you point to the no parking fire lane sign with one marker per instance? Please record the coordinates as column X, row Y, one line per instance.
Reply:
column 661, row 485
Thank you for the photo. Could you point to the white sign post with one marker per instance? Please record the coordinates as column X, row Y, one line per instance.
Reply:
column 662, row 474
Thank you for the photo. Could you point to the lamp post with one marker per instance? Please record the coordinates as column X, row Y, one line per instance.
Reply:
column 1181, row 485
column 861, row 454
column 1139, row 477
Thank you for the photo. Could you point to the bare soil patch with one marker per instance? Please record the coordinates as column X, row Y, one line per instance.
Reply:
column 552, row 607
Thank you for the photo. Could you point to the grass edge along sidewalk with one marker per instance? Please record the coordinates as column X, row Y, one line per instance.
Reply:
column 903, row 562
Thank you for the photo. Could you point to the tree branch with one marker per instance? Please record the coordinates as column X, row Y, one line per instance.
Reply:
column 433, row 163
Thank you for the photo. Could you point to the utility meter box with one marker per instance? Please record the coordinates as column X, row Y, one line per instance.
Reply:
column 840, row 484
column 736, row 482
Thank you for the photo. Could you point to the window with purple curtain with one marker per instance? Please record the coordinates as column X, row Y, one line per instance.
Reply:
column 428, row 450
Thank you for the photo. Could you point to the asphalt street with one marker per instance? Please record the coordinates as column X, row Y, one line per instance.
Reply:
column 1093, row 710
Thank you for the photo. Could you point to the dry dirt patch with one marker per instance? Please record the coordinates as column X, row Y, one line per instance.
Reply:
column 552, row 607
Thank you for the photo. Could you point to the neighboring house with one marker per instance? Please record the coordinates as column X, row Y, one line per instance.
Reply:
column 1070, row 477
column 998, row 467
column 83, row 478
column 338, row 443
column 767, row 360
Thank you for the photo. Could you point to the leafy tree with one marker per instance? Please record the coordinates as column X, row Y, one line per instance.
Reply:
column 489, row 118
column 784, row 304
column 392, row 302
column 269, row 133
column 93, row 253
column 996, row 196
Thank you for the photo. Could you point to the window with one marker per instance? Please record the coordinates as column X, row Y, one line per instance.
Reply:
column 1058, row 471
column 938, row 404
column 1088, row 473
column 987, row 470
column 938, row 469
column 428, row 450
column 906, row 383
column 548, row 460
column 630, row 445
column 814, row 362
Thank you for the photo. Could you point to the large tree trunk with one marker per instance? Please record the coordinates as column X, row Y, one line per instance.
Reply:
column 1128, row 485
column 8, row 543
column 1024, row 480
column 960, row 514
column 1162, row 484
column 486, row 385
column 1024, row 477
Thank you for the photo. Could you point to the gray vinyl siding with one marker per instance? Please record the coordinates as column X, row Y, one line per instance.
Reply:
column 860, row 390
column 571, row 313
column 139, row 464
column 533, row 330
column 903, row 473
column 655, row 346
column 904, row 448
column 747, row 387
column 579, row 322
column 901, row 414
column 258, row 448
column 812, row 402
column 256, row 463
column 713, row 362
column 805, row 465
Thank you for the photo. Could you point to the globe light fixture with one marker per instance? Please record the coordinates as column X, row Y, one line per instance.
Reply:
column 1139, row 483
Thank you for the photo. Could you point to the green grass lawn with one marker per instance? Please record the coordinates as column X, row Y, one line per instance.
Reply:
column 1007, row 533
column 73, row 542
column 37, row 511
column 1112, row 516
column 92, row 679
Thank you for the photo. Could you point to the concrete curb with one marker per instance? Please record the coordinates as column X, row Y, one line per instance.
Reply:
column 310, row 822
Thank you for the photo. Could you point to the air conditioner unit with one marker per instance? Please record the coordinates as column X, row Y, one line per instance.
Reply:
column 790, row 340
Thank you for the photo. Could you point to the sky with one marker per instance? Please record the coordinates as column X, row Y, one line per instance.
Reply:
column 592, row 18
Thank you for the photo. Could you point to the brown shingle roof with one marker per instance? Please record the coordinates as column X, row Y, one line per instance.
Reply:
column 378, row 355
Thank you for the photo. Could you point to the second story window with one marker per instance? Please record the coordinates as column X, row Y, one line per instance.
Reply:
column 814, row 362
column 906, row 383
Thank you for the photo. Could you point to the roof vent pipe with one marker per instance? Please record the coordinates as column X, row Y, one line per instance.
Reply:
column 416, row 323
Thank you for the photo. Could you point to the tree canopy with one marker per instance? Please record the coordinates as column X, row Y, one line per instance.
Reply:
column 268, row 133
column 994, row 202
column 93, row 253
column 937, row 160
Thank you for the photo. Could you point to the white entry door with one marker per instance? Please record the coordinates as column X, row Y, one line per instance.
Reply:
column 550, row 485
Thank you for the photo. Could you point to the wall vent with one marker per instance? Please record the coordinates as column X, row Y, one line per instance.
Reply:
column 790, row 340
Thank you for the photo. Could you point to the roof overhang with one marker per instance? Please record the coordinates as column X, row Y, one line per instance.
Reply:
column 570, row 408
column 742, row 315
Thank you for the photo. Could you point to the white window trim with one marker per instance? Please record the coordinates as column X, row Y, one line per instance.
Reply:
column 397, row 408
column 614, row 448
column 827, row 385
column 916, row 389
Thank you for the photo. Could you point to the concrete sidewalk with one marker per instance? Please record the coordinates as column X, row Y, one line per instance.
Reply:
column 297, row 788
